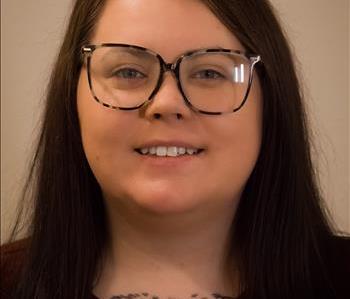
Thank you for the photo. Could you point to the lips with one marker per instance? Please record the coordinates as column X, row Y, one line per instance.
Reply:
column 170, row 149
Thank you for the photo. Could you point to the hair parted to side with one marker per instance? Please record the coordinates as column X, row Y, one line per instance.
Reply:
column 279, row 225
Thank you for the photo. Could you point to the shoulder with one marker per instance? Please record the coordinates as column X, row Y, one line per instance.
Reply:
column 13, row 257
column 12, row 260
column 336, row 259
column 337, row 254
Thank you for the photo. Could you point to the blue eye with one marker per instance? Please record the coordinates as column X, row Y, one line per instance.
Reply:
column 208, row 74
column 128, row 73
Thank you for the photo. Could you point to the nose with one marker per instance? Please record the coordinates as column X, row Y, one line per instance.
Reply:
column 168, row 102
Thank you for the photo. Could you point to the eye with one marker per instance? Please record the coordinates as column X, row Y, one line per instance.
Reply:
column 208, row 74
column 128, row 73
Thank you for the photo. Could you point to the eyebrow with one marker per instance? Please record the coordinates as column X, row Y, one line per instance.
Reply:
column 127, row 51
column 139, row 53
column 210, row 47
column 132, row 51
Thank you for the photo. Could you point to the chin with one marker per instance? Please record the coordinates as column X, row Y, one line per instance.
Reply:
column 164, row 203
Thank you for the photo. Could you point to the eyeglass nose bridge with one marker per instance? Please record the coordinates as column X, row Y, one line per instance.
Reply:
column 173, row 68
column 169, row 66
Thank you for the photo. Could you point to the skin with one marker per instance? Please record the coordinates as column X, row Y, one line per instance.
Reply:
column 169, row 219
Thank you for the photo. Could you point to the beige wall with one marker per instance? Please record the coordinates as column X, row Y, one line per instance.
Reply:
column 319, row 29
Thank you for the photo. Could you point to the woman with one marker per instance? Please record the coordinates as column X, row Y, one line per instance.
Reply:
column 165, row 169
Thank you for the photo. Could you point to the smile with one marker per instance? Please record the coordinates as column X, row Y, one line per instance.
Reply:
column 168, row 151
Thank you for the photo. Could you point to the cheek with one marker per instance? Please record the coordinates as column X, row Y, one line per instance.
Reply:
column 95, row 123
column 241, row 152
column 102, row 129
column 238, row 139
column 238, row 156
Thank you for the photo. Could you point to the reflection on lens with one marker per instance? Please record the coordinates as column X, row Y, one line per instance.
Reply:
column 224, row 85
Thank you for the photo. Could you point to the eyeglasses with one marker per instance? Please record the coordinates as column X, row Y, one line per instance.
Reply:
column 211, row 81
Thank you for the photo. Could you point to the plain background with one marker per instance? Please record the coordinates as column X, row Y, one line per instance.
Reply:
column 31, row 33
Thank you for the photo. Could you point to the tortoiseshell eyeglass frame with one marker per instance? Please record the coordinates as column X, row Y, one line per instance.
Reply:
column 88, row 50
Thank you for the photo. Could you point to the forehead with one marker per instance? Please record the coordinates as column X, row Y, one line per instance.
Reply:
column 168, row 27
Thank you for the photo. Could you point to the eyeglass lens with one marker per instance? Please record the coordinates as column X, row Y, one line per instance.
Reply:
column 126, row 77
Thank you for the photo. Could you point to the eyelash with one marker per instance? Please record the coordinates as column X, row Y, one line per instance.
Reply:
column 217, row 74
column 129, row 70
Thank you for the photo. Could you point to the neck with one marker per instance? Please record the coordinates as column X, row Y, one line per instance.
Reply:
column 179, row 255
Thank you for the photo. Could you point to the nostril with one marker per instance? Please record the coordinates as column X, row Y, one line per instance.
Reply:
column 157, row 115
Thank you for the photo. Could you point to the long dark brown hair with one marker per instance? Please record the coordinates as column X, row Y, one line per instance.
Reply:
column 280, row 223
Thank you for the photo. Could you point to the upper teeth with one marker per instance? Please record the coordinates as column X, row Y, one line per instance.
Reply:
column 170, row 151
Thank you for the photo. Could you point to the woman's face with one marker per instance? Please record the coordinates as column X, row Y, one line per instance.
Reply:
column 213, row 179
